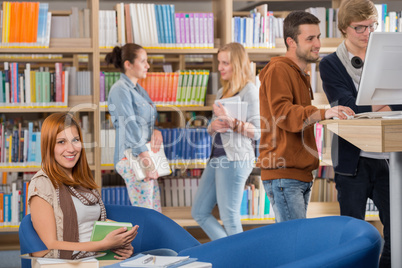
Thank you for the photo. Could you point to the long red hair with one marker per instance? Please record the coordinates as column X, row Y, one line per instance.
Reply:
column 82, row 174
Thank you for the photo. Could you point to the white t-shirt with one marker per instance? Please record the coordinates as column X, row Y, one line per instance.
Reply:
column 86, row 216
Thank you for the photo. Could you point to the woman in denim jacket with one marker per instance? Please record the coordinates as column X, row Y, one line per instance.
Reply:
column 133, row 116
column 231, row 162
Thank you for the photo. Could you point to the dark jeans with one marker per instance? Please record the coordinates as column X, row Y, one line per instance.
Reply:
column 371, row 181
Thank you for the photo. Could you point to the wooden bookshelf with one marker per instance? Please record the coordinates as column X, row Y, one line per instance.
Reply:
column 70, row 49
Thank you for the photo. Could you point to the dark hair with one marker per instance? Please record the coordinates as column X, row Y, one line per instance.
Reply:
column 294, row 20
column 119, row 55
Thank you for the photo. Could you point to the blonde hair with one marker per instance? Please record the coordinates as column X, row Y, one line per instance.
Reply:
column 353, row 11
column 53, row 125
column 242, row 73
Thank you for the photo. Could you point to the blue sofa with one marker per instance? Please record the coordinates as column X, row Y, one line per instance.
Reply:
column 321, row 242
column 336, row 241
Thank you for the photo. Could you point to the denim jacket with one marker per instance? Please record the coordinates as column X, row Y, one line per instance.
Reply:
column 133, row 116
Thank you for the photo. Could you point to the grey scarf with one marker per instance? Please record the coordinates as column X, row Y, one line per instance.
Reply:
column 343, row 55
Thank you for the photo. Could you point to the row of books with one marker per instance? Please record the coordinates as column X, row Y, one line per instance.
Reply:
column 328, row 21
column 155, row 26
column 107, row 79
column 187, row 88
column 75, row 25
column 323, row 190
column 33, row 88
column 13, row 200
column 255, row 204
column 20, row 142
column 115, row 195
column 177, row 190
column 325, row 172
column 388, row 21
column 184, row 88
column 80, row 82
column 19, row 146
column 258, row 30
column 25, row 24
column 183, row 146
column 319, row 132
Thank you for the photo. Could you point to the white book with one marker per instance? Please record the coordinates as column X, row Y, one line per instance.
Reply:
column 192, row 29
column 122, row 24
column 380, row 18
column 175, row 195
column 154, row 31
column 187, row 192
column 103, row 146
column 22, row 89
column 60, row 27
column 14, row 204
column 180, row 191
column 111, row 145
column 194, row 187
column 143, row 25
column 159, row 160
column 27, row 73
column 102, row 29
column 135, row 24
column 235, row 107
column 197, row 30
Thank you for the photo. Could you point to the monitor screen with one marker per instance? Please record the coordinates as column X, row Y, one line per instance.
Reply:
column 381, row 80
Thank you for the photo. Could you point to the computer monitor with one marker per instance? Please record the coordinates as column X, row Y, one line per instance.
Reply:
column 381, row 80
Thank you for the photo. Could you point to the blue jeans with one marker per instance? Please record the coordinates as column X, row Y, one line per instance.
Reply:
column 371, row 181
column 222, row 183
column 289, row 198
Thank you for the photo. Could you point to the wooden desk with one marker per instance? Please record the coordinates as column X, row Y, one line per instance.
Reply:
column 380, row 135
column 107, row 262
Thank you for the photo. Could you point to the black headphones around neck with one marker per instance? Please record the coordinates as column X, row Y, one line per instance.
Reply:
column 357, row 62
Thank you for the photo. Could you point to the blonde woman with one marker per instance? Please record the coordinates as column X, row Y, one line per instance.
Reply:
column 222, row 182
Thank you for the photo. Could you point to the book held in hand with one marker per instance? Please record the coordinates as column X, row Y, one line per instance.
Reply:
column 159, row 159
column 235, row 107
column 102, row 228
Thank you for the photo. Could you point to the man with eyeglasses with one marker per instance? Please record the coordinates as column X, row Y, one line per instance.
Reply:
column 359, row 175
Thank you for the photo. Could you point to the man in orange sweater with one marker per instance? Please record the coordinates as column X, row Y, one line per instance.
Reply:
column 288, row 152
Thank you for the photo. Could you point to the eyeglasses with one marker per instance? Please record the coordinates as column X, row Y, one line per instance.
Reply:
column 362, row 28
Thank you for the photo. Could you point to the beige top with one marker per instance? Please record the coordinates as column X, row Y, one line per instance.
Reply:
column 41, row 186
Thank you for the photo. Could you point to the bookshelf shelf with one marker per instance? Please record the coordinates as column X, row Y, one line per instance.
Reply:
column 173, row 51
column 9, row 230
column 28, row 169
column 172, row 166
column 19, row 169
column 50, row 50
column 41, row 110
column 182, row 215
column 31, row 60
column 175, row 108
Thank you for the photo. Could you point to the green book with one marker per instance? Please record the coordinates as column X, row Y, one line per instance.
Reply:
column 102, row 228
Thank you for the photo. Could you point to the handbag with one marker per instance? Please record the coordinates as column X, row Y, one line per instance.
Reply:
column 159, row 160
